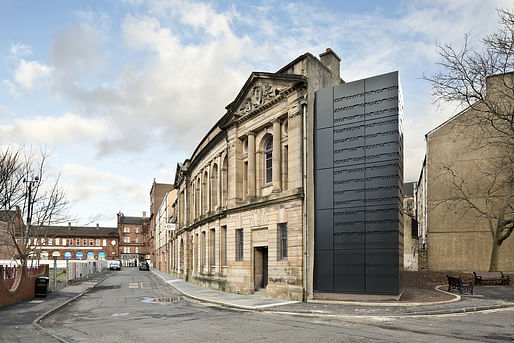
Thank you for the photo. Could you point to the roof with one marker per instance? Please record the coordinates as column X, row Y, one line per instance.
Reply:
column 133, row 220
column 81, row 230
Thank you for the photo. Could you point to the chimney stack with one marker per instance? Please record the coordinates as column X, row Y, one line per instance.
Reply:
column 69, row 226
column 144, row 214
column 330, row 60
column 97, row 226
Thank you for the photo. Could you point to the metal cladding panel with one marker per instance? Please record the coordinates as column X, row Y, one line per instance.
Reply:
column 349, row 270
column 358, row 142
column 324, row 276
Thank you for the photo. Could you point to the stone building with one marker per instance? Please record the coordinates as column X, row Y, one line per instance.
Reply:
column 133, row 234
column 242, row 217
column 78, row 242
column 463, row 154
column 157, row 194
column 162, row 236
column 410, row 226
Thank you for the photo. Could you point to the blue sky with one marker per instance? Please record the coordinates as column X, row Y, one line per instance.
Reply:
column 121, row 91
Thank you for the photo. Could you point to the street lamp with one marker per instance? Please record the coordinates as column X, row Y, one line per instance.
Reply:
column 29, row 206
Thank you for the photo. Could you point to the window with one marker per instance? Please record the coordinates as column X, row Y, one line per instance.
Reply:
column 98, row 242
column 57, row 241
column 212, row 247
column 239, row 244
column 137, row 250
column 104, row 242
column 137, row 239
column 202, row 251
column 126, row 239
column 84, row 242
column 43, row 241
column 137, row 229
column 91, row 242
column 78, row 241
column 223, row 252
column 64, row 241
column 50, row 241
column 282, row 241
column 126, row 229
column 268, row 161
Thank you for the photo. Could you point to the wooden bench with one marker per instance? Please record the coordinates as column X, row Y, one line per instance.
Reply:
column 456, row 283
column 491, row 276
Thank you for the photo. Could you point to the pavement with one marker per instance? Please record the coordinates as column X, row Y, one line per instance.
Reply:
column 484, row 298
column 21, row 319
column 19, row 322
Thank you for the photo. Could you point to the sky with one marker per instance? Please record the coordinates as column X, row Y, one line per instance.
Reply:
column 120, row 91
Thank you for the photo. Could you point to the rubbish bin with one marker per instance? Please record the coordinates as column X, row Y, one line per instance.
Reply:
column 42, row 286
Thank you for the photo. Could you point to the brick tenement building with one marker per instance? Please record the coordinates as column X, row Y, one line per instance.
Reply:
column 157, row 194
column 82, row 242
column 7, row 220
column 133, row 234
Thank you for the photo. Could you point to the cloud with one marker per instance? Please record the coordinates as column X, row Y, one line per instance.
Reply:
column 11, row 89
column 28, row 73
column 69, row 128
column 19, row 50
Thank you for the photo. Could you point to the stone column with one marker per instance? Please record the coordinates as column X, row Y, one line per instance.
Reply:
column 251, row 164
column 276, row 156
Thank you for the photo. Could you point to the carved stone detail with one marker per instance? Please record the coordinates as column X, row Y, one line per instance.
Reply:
column 260, row 94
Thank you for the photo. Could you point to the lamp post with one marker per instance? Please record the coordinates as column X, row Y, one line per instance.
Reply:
column 29, row 209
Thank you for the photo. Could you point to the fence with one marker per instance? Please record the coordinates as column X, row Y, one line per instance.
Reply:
column 79, row 269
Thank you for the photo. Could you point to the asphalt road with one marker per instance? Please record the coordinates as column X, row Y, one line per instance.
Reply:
column 123, row 309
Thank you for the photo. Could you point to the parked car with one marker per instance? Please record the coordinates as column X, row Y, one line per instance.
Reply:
column 115, row 265
column 144, row 266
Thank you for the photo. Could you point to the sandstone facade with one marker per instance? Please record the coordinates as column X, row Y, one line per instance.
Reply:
column 242, row 220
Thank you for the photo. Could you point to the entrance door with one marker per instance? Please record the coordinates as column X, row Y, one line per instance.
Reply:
column 260, row 267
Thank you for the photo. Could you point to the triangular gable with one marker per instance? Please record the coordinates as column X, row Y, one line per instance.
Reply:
column 260, row 89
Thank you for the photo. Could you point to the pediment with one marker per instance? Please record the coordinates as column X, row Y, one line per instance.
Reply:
column 259, row 90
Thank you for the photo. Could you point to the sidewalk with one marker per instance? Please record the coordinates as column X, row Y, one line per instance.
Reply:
column 485, row 298
column 20, row 320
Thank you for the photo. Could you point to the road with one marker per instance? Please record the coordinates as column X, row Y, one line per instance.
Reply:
column 123, row 309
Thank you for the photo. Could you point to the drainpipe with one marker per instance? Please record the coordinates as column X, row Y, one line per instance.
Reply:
column 303, row 102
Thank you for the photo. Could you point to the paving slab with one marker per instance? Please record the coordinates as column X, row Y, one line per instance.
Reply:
column 485, row 298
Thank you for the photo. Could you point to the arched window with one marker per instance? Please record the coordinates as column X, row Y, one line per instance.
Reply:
column 214, row 187
column 268, row 161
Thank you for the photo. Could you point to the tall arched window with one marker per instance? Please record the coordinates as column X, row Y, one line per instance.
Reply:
column 224, row 180
column 268, row 161
column 214, row 187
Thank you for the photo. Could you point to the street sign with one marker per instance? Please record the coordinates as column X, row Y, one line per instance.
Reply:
column 170, row 227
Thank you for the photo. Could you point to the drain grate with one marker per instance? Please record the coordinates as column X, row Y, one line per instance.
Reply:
column 162, row 300
column 166, row 299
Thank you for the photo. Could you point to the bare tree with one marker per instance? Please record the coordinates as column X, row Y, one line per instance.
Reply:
column 27, row 193
column 482, row 80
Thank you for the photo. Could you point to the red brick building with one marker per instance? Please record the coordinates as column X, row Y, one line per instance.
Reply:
column 133, row 233
column 79, row 242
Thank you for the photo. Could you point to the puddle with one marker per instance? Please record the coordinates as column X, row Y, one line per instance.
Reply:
column 163, row 300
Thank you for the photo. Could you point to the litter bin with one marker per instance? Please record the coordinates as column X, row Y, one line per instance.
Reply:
column 42, row 286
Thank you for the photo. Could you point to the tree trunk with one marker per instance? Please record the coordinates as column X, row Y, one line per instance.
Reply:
column 495, row 256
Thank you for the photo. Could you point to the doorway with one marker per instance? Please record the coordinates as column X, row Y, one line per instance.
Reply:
column 260, row 268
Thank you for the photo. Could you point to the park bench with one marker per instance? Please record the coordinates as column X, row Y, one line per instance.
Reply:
column 456, row 283
column 491, row 276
